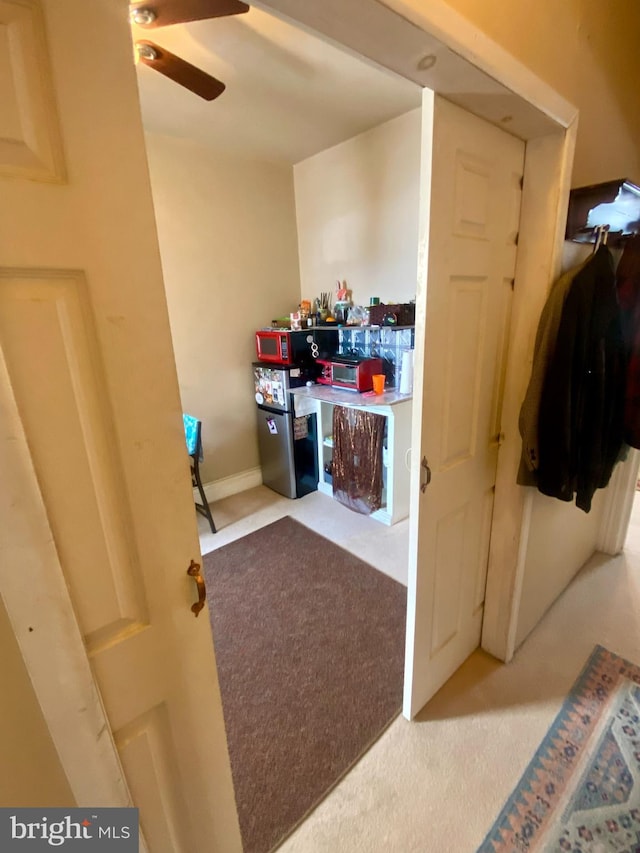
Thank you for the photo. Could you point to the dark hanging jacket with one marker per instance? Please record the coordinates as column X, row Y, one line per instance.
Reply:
column 580, row 425
column 546, row 338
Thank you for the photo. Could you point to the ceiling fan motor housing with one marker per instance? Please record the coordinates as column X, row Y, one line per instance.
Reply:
column 147, row 51
column 143, row 16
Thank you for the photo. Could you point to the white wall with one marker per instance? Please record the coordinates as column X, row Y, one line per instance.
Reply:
column 561, row 540
column 357, row 213
column 561, row 536
column 227, row 235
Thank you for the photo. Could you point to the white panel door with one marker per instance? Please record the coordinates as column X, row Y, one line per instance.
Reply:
column 97, row 523
column 476, row 172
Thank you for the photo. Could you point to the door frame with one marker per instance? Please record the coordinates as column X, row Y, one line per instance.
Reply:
column 549, row 157
column 534, row 111
column 545, row 197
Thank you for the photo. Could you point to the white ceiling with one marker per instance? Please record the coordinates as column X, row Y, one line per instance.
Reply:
column 289, row 93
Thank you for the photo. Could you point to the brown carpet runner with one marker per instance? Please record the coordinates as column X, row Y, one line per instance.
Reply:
column 310, row 652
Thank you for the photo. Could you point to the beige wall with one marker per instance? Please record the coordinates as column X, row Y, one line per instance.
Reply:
column 357, row 213
column 227, row 236
column 561, row 540
column 588, row 51
column 31, row 771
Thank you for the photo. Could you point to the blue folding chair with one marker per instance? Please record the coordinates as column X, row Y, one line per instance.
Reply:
column 193, row 437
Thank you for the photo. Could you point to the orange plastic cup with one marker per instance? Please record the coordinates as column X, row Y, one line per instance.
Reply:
column 378, row 383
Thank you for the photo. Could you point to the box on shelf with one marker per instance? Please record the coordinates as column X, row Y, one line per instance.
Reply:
column 405, row 313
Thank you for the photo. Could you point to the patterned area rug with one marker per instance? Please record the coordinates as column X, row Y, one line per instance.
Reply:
column 581, row 792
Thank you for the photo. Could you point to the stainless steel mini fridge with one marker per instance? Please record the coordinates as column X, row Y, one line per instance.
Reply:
column 287, row 445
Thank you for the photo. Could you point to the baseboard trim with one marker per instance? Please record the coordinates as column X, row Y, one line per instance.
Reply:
column 232, row 485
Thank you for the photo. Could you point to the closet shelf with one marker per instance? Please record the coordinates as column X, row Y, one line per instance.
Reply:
column 613, row 203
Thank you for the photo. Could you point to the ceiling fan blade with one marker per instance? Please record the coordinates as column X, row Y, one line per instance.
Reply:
column 165, row 12
column 179, row 70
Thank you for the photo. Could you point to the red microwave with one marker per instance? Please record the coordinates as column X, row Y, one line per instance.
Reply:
column 349, row 372
column 280, row 346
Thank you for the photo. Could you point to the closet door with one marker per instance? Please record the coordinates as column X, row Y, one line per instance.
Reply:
column 473, row 172
column 97, row 523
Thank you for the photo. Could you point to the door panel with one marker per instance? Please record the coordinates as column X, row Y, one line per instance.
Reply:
column 87, row 362
column 471, row 199
column 464, row 360
column 30, row 144
column 475, row 202
column 71, row 434
column 154, row 778
column 449, row 572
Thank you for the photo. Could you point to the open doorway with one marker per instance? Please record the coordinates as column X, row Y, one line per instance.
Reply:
column 305, row 171
column 550, row 133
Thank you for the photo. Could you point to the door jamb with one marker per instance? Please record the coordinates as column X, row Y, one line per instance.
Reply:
column 548, row 162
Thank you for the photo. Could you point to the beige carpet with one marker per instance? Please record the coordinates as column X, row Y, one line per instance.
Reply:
column 437, row 785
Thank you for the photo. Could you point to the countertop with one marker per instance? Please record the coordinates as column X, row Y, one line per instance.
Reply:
column 345, row 397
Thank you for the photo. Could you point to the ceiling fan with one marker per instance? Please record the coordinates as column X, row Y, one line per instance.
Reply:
column 162, row 13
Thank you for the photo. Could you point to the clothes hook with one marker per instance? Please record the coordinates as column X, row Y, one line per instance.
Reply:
column 601, row 233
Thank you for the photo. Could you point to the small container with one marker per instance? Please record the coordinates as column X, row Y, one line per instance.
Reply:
column 341, row 311
column 378, row 383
